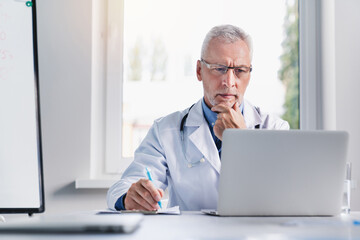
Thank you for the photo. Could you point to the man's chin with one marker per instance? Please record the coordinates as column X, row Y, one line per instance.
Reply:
column 227, row 103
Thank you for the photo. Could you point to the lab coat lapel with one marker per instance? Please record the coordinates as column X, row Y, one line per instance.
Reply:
column 201, row 137
column 251, row 115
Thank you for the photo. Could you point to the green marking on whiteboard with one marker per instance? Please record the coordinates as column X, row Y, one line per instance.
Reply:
column 29, row 3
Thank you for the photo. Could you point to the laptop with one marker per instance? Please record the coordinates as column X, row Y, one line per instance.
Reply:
column 75, row 223
column 281, row 173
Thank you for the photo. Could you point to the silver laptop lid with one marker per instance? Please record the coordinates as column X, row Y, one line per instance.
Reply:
column 275, row 172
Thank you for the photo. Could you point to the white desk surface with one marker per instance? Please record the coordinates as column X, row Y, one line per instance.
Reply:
column 195, row 225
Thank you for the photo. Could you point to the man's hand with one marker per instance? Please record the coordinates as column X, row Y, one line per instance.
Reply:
column 143, row 195
column 227, row 118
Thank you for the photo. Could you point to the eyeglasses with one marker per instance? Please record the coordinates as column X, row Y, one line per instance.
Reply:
column 219, row 70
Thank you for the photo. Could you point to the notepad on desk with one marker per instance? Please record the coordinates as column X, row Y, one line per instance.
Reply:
column 170, row 211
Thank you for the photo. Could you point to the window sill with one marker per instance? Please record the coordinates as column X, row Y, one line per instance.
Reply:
column 86, row 183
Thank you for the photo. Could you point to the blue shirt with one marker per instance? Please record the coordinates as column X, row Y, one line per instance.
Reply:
column 119, row 205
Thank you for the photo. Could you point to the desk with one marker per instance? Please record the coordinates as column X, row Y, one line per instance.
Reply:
column 195, row 225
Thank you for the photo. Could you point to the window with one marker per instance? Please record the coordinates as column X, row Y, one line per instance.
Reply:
column 161, row 44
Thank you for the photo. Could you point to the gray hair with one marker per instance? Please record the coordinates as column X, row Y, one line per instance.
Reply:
column 229, row 34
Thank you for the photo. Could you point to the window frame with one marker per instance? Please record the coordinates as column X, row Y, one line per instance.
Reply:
column 310, row 93
column 114, row 162
column 106, row 155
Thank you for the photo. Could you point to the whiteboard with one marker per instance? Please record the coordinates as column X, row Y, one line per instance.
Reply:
column 21, row 187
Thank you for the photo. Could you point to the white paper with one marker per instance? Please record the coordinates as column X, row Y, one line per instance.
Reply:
column 171, row 211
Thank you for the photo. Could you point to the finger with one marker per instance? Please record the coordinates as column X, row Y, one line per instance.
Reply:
column 136, row 206
column 149, row 186
column 161, row 192
column 133, row 200
column 236, row 107
column 133, row 197
column 223, row 118
column 144, row 193
column 139, row 199
column 220, row 108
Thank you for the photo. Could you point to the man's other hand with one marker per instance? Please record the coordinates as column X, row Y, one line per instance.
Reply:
column 143, row 195
column 227, row 118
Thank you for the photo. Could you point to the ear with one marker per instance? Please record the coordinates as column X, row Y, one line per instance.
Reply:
column 198, row 70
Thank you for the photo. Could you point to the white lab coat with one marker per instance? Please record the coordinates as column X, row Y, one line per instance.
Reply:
column 192, row 182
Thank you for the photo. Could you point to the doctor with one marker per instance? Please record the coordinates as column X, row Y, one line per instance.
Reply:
column 183, row 149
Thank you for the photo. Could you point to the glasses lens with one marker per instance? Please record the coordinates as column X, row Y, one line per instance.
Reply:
column 220, row 70
column 241, row 71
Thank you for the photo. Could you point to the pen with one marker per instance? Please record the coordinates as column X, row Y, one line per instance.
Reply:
column 150, row 178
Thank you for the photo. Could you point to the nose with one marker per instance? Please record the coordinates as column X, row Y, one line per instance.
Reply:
column 229, row 78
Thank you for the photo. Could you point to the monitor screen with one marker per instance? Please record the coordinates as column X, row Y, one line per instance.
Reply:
column 21, row 178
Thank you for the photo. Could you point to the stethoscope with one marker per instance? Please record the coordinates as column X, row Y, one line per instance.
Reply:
column 182, row 124
column 183, row 120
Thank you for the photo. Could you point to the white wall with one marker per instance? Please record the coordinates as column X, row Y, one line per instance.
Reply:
column 347, row 88
column 64, row 39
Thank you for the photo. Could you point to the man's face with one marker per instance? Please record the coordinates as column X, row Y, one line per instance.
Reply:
column 226, row 88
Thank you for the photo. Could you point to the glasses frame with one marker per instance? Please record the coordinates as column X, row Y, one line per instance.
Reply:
column 212, row 66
